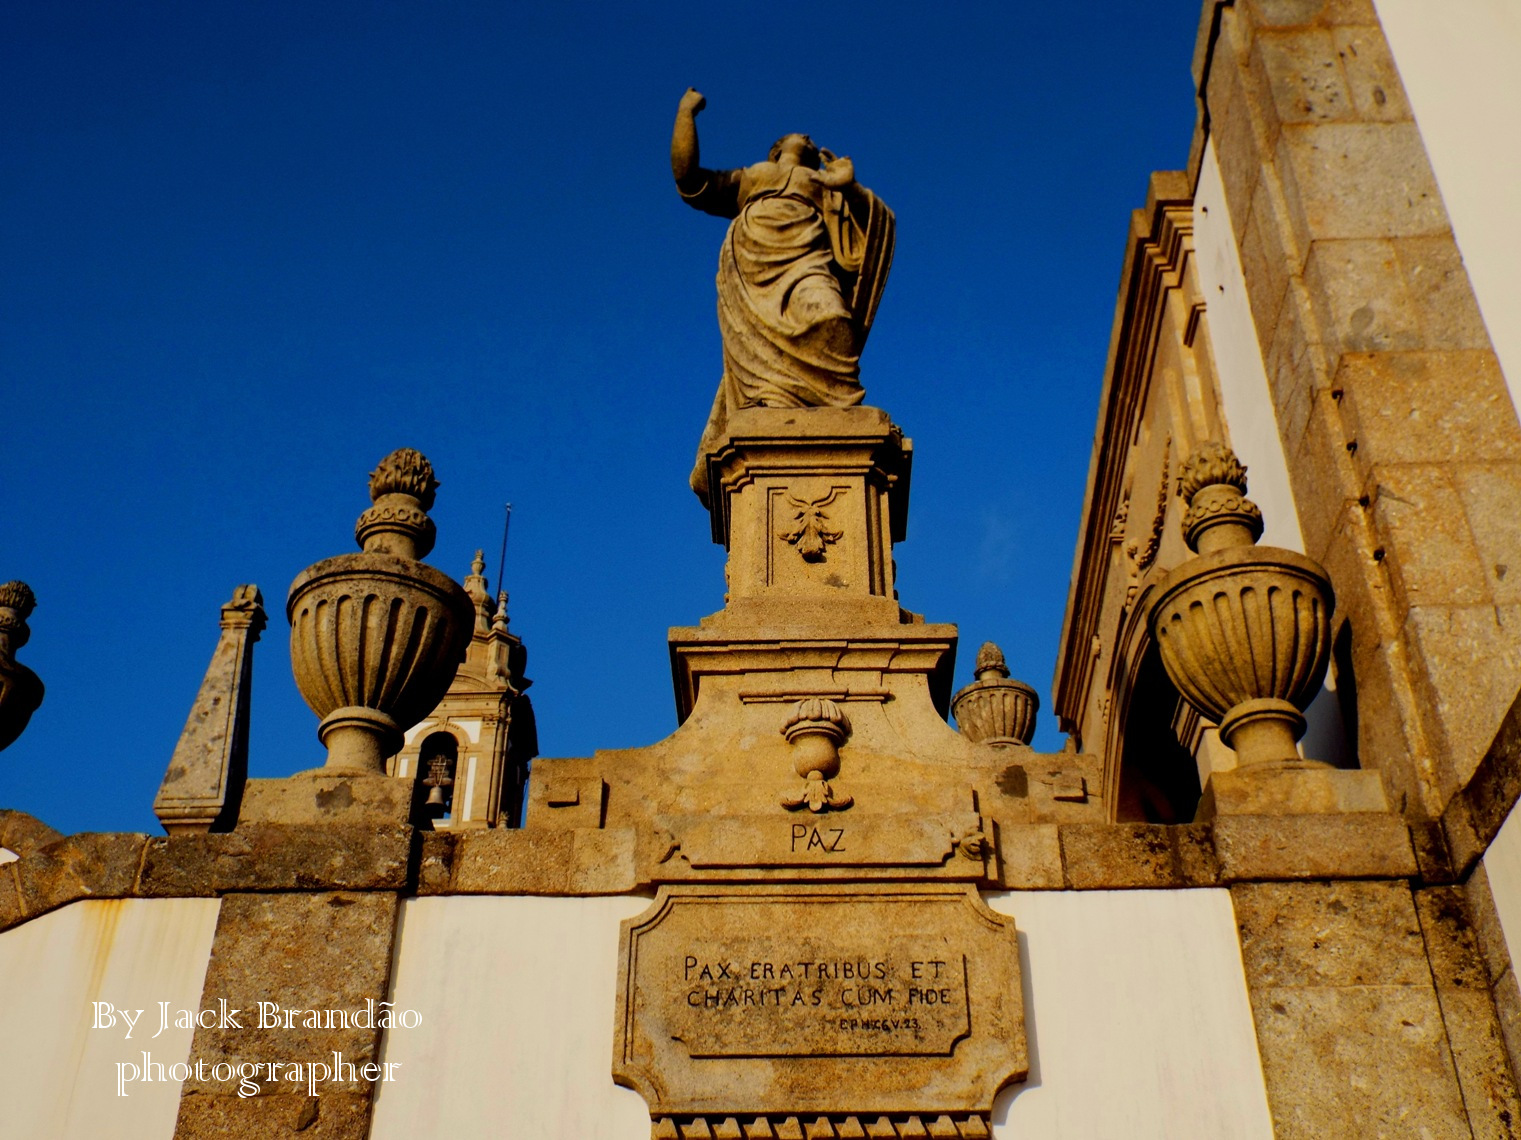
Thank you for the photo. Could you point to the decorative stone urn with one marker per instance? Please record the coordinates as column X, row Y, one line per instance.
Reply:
column 20, row 688
column 816, row 729
column 1243, row 630
column 376, row 637
column 994, row 709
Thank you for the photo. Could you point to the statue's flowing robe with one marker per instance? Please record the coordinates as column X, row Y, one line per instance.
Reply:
column 799, row 277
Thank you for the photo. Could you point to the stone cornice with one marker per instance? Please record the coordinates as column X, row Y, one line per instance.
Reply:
column 584, row 861
column 1161, row 240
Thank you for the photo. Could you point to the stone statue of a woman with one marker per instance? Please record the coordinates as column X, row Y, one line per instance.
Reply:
column 799, row 275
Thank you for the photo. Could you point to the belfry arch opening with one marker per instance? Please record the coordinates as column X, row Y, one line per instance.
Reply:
column 437, row 765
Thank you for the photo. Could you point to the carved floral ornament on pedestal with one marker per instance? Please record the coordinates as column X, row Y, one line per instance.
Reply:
column 376, row 637
column 1243, row 630
column 808, row 529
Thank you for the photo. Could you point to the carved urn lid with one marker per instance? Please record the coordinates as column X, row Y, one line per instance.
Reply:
column 990, row 663
column 401, row 488
column 1212, row 481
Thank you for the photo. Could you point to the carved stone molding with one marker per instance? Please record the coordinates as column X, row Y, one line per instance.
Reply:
column 809, row 530
column 1157, row 277
column 1143, row 554
column 973, row 1126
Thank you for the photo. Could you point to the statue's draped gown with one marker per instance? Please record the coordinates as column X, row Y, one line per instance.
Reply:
column 799, row 277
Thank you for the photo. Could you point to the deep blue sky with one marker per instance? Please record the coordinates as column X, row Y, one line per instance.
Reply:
column 246, row 249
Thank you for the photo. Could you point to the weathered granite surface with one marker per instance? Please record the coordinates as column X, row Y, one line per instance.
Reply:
column 310, row 951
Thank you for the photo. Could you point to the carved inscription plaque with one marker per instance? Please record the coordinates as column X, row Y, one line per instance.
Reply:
column 819, row 998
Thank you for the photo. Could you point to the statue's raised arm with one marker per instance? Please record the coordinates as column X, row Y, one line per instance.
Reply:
column 712, row 191
column 800, row 273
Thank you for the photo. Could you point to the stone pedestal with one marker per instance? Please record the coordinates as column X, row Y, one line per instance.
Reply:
column 329, row 798
column 1305, row 789
column 808, row 502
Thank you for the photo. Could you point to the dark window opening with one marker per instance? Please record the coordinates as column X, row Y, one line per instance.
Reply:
column 1159, row 779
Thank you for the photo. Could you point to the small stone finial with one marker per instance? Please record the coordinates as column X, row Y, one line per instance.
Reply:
column 16, row 605
column 1211, row 464
column 405, row 471
column 401, row 488
column 245, row 610
column 20, row 689
column 501, row 611
column 990, row 662
column 1212, row 481
column 479, row 593
column 1242, row 630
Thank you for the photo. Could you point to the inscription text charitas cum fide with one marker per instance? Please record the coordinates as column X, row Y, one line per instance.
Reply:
column 788, row 1000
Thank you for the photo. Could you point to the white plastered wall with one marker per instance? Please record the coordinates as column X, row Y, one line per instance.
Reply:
column 1502, row 864
column 1138, row 1019
column 1247, row 406
column 1458, row 62
column 1244, row 394
column 57, row 1073
column 517, row 997
column 1137, row 1009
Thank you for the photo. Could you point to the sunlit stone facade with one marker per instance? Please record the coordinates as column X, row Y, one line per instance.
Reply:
column 818, row 909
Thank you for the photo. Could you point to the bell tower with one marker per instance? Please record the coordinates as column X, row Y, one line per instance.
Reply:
column 472, row 752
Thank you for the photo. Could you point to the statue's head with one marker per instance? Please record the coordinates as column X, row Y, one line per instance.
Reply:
column 802, row 146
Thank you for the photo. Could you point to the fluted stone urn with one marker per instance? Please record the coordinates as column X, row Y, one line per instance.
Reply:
column 376, row 637
column 994, row 708
column 1243, row 630
column 20, row 688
